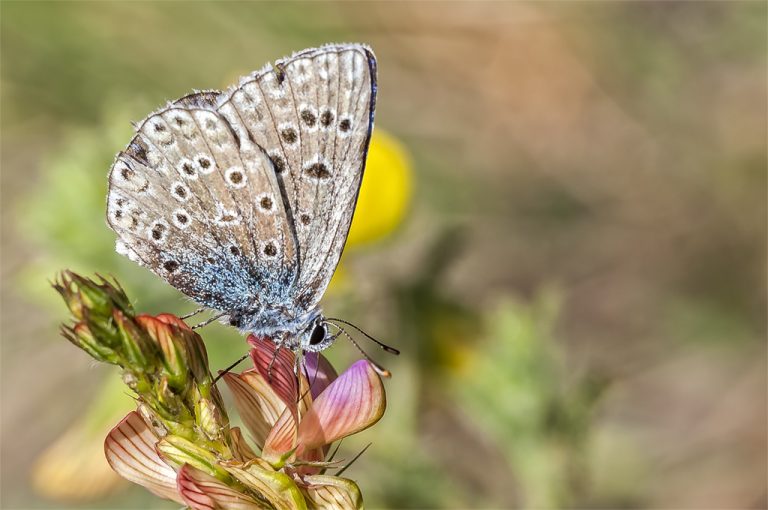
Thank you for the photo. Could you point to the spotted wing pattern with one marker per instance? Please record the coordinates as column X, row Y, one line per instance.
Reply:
column 313, row 114
column 243, row 199
column 184, row 199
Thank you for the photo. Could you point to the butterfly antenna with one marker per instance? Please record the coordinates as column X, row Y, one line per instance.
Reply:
column 384, row 346
column 192, row 314
column 230, row 367
column 379, row 369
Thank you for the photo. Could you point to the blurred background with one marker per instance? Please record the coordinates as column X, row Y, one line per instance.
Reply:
column 563, row 228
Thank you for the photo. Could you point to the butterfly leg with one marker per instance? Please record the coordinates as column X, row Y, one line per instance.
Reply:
column 230, row 367
column 208, row 321
column 272, row 361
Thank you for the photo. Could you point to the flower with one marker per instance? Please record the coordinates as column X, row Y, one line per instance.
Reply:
column 329, row 407
column 178, row 443
column 385, row 193
column 292, row 429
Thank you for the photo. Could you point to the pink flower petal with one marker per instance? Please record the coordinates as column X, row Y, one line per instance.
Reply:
column 258, row 405
column 281, row 377
column 319, row 372
column 130, row 450
column 351, row 403
column 281, row 439
column 201, row 491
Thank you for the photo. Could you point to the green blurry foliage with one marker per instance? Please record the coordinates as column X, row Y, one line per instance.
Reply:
column 529, row 404
column 66, row 219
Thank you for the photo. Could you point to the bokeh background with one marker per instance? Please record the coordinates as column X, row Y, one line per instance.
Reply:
column 564, row 232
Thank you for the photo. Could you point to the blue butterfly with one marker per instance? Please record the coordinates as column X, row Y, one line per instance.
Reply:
column 243, row 199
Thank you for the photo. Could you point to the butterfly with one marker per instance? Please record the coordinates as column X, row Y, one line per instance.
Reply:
column 243, row 199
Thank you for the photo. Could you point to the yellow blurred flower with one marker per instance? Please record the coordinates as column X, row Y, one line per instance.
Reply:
column 384, row 197
column 385, row 192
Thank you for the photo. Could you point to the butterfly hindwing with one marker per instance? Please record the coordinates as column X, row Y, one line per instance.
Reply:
column 181, row 202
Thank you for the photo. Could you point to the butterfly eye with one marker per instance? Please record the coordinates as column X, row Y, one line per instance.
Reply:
column 318, row 335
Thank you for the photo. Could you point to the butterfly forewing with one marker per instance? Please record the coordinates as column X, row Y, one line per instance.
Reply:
column 313, row 113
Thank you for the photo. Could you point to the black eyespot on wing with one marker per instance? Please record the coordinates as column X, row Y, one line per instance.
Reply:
column 326, row 118
column 180, row 191
column 157, row 231
column 345, row 125
column 126, row 173
column 318, row 171
column 270, row 250
column 236, row 177
column 289, row 135
column 171, row 266
column 309, row 118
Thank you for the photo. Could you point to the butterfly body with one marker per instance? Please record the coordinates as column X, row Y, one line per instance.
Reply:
column 243, row 199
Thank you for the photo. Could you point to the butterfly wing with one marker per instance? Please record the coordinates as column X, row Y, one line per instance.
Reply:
column 313, row 114
column 184, row 199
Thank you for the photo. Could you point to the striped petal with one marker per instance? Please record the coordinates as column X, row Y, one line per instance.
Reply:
column 281, row 439
column 130, row 450
column 201, row 491
column 280, row 376
column 331, row 493
column 319, row 372
column 257, row 404
column 351, row 403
